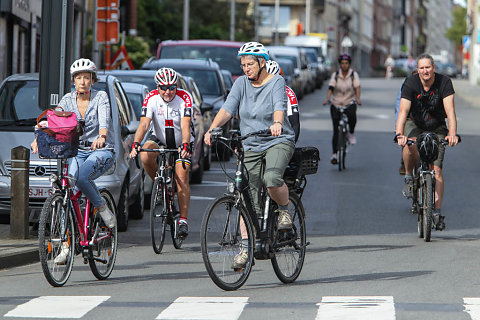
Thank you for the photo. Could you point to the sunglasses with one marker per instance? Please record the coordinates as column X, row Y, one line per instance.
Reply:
column 171, row 87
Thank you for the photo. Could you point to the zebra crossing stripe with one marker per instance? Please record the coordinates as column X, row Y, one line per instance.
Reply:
column 205, row 308
column 356, row 308
column 472, row 307
column 57, row 307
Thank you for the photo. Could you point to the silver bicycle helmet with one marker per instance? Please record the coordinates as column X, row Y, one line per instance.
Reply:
column 272, row 67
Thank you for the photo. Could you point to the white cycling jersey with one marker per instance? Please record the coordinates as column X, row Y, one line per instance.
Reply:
column 167, row 116
column 292, row 103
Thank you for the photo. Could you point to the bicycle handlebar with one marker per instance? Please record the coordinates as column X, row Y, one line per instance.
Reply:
column 443, row 141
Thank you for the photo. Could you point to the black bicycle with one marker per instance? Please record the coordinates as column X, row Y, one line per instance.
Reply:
column 163, row 209
column 342, row 138
column 231, row 219
column 423, row 193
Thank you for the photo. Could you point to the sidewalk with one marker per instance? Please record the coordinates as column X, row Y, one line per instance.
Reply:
column 468, row 92
column 15, row 252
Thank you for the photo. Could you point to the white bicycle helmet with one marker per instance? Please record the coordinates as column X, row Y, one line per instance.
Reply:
column 165, row 77
column 255, row 49
column 272, row 67
column 83, row 65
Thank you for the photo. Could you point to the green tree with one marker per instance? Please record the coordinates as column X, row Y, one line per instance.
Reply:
column 459, row 26
column 137, row 48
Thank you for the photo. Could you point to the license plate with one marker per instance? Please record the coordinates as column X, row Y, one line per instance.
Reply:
column 40, row 192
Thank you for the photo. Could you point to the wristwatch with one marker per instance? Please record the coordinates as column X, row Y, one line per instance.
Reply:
column 104, row 136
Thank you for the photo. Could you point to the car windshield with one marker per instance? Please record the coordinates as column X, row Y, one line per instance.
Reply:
column 137, row 100
column 207, row 81
column 226, row 57
column 19, row 100
column 286, row 67
column 291, row 58
column 311, row 56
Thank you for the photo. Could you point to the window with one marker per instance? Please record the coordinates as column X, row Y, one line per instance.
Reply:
column 123, row 114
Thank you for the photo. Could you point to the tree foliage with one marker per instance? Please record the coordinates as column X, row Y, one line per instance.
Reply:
column 160, row 20
column 459, row 26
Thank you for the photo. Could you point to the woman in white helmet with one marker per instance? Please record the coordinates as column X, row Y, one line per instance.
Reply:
column 95, row 154
column 259, row 99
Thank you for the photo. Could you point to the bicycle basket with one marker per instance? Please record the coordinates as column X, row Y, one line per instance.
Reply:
column 303, row 162
column 51, row 148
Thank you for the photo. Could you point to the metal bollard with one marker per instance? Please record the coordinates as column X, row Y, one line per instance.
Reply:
column 19, row 211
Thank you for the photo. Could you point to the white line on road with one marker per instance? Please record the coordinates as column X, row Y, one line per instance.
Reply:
column 57, row 307
column 212, row 184
column 202, row 198
column 200, row 308
column 356, row 308
column 472, row 307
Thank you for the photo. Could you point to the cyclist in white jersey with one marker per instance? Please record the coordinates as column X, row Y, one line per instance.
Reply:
column 292, row 102
column 171, row 111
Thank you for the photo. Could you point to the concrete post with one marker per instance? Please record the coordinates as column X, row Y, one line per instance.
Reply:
column 19, row 211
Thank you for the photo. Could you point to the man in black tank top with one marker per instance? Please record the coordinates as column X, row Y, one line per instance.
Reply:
column 426, row 100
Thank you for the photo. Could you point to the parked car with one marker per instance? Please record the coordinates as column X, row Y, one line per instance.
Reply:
column 199, row 107
column 315, row 65
column 208, row 77
column 228, row 79
column 18, row 112
column 222, row 52
column 136, row 93
column 299, row 64
column 291, row 78
column 448, row 69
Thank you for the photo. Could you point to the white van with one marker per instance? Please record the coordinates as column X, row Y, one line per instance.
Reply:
column 308, row 41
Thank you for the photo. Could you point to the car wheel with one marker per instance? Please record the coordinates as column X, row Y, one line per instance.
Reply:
column 122, row 208
column 197, row 175
column 137, row 208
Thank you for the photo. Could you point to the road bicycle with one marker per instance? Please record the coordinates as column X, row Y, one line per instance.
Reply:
column 63, row 227
column 342, row 138
column 231, row 219
column 163, row 210
column 423, row 192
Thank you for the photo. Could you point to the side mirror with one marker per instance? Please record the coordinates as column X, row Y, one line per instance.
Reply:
column 129, row 128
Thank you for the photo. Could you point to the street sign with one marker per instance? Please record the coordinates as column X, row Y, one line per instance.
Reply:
column 108, row 31
column 121, row 60
column 107, row 3
column 466, row 41
column 110, row 14
column 347, row 42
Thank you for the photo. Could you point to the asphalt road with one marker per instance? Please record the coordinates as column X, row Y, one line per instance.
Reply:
column 364, row 262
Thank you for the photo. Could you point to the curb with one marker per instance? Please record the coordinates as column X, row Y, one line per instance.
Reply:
column 16, row 259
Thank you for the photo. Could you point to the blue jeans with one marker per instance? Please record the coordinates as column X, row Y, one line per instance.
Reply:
column 87, row 166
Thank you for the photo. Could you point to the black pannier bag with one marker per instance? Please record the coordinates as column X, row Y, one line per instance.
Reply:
column 303, row 162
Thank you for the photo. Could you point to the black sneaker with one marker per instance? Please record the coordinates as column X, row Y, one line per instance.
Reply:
column 408, row 188
column 182, row 230
column 439, row 221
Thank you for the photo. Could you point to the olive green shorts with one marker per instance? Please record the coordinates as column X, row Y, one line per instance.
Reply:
column 411, row 130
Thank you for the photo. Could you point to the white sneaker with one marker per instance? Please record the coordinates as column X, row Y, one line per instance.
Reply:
column 284, row 220
column 62, row 256
column 351, row 138
column 240, row 260
column 107, row 216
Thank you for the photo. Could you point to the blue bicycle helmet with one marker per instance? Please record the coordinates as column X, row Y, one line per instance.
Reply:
column 255, row 49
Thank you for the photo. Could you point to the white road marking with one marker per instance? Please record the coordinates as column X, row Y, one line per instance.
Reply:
column 57, row 307
column 356, row 308
column 472, row 307
column 212, row 184
column 202, row 198
column 203, row 308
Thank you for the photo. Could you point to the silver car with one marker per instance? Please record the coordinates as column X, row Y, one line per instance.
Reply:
column 18, row 111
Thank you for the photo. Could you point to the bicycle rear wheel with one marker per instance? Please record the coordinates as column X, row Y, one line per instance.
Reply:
column 290, row 246
column 103, row 250
column 221, row 242
column 56, row 233
column 158, row 215
column 428, row 201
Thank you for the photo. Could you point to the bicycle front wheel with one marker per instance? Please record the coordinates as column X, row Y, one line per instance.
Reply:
column 428, row 201
column 56, row 240
column 221, row 240
column 158, row 215
column 177, row 242
column 290, row 246
column 104, row 241
column 341, row 145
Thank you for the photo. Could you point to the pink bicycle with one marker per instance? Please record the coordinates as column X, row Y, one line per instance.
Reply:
column 64, row 232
